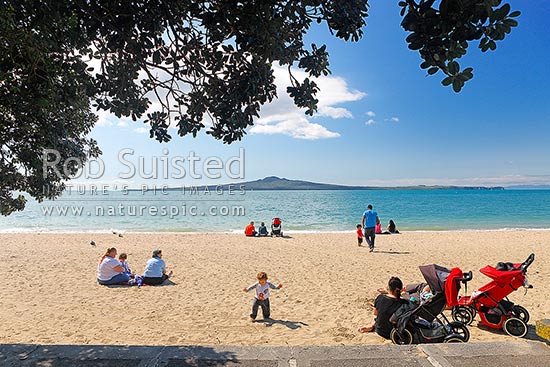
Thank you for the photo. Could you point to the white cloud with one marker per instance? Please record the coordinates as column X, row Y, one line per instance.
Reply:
column 282, row 117
column 297, row 127
column 104, row 118
column 370, row 122
column 141, row 130
column 394, row 119
column 334, row 112
column 371, row 114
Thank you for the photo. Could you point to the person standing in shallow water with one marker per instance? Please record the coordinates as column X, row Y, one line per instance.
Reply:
column 369, row 224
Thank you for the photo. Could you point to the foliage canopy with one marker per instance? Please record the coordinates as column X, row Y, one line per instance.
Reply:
column 191, row 61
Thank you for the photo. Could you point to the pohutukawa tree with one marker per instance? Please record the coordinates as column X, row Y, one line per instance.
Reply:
column 60, row 60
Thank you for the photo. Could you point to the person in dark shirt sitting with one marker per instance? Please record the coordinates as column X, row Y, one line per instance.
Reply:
column 384, row 307
column 262, row 230
column 391, row 227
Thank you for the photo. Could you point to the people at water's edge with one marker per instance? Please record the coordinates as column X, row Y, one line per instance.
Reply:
column 155, row 270
column 261, row 298
column 359, row 235
column 391, row 227
column 378, row 228
column 262, row 230
column 369, row 224
column 109, row 270
column 250, row 230
column 384, row 307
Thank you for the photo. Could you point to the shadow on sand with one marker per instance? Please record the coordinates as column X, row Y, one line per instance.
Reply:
column 531, row 333
column 392, row 252
column 166, row 283
column 27, row 355
column 289, row 324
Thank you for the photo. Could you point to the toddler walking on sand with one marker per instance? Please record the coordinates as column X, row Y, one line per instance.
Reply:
column 261, row 299
column 359, row 235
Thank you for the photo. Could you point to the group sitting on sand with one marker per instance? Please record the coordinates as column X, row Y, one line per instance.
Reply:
column 111, row 271
column 250, row 230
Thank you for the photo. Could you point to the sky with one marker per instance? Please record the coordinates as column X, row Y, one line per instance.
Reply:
column 381, row 120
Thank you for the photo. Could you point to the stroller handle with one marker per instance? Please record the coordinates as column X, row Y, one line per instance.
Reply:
column 466, row 277
column 527, row 262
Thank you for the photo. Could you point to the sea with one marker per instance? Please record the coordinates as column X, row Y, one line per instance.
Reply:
column 300, row 211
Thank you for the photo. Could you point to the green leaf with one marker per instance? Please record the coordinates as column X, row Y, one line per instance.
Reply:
column 447, row 81
column 511, row 22
column 514, row 14
column 457, row 85
column 453, row 67
column 156, row 57
column 433, row 70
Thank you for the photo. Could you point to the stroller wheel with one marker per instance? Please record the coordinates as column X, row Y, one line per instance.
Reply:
column 402, row 338
column 459, row 330
column 521, row 313
column 515, row 327
column 463, row 315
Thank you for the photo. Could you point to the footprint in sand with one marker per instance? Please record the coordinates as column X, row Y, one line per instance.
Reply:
column 340, row 333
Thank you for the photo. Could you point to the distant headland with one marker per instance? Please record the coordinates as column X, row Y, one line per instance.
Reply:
column 276, row 183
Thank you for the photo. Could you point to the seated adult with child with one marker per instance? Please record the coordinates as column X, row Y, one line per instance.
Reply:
column 109, row 270
column 155, row 270
column 384, row 307
column 250, row 230
column 262, row 230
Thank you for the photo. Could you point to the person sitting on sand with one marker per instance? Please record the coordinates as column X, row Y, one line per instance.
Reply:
column 250, row 230
column 378, row 227
column 412, row 291
column 384, row 307
column 155, row 270
column 391, row 227
column 262, row 230
column 109, row 270
column 261, row 299
column 123, row 259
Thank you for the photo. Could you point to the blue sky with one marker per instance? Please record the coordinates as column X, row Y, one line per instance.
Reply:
column 383, row 122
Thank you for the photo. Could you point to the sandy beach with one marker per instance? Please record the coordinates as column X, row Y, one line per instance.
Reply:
column 50, row 294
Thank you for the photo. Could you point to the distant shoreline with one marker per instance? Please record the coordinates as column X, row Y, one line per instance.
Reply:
column 240, row 232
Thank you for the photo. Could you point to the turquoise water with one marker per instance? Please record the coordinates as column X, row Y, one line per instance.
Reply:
column 299, row 210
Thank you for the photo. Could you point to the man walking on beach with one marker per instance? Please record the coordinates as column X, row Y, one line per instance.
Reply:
column 369, row 223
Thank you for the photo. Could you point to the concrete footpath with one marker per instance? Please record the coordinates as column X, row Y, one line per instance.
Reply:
column 518, row 353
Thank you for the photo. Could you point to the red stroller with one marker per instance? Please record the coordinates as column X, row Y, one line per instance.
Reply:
column 491, row 301
column 276, row 228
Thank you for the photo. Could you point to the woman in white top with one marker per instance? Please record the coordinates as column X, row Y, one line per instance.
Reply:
column 109, row 270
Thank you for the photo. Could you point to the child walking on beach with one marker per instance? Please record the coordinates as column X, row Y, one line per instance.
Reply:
column 261, row 299
column 359, row 235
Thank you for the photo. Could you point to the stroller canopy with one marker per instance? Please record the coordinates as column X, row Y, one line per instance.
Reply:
column 442, row 280
column 435, row 276
column 501, row 277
